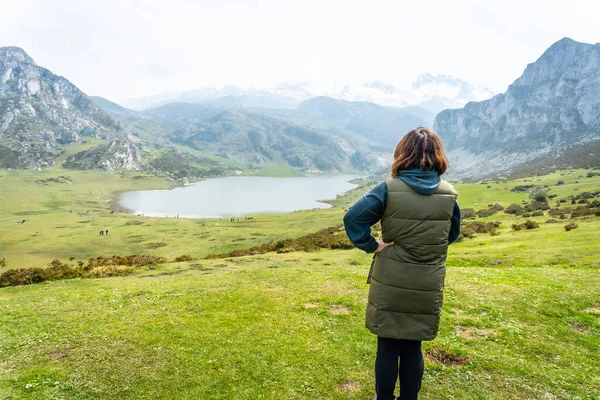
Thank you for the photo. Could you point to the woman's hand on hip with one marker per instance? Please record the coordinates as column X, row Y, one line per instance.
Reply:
column 382, row 245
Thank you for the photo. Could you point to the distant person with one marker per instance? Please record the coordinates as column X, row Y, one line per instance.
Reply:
column 419, row 217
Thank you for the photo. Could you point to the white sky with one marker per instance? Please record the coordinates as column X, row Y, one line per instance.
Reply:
column 133, row 48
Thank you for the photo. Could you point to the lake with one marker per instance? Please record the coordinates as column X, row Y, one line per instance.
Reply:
column 237, row 196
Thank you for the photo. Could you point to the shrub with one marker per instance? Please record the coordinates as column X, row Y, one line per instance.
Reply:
column 529, row 224
column 560, row 182
column 540, row 195
column 495, row 207
column 582, row 211
column 537, row 214
column 468, row 213
column 470, row 229
column 517, row 227
column 514, row 209
column 134, row 260
column 491, row 210
column 184, row 257
column 485, row 213
column 521, row 188
column 536, row 205
column 571, row 226
column 328, row 238
column 96, row 267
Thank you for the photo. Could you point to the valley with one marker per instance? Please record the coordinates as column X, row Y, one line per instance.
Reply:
column 520, row 317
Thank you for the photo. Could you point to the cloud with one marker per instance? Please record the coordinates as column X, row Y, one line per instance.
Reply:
column 121, row 49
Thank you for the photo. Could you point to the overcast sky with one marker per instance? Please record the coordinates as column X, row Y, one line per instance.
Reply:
column 132, row 48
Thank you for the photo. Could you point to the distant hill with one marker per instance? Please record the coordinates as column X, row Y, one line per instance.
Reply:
column 261, row 136
column 385, row 125
column 552, row 108
column 433, row 93
column 113, row 108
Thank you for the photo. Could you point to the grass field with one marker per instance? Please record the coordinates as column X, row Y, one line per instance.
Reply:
column 521, row 316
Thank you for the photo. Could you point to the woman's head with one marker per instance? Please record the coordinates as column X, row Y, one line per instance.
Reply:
column 420, row 148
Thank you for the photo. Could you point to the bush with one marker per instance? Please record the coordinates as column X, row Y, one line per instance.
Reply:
column 470, row 229
column 521, row 188
column 134, row 260
column 491, row 210
column 467, row 213
column 560, row 182
column 529, row 224
column 540, row 195
column 495, row 207
column 96, row 267
column 184, row 257
column 485, row 213
column 571, row 226
column 537, row 214
column 536, row 205
column 514, row 209
column 328, row 238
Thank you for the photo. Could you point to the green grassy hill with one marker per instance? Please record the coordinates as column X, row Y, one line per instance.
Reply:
column 521, row 318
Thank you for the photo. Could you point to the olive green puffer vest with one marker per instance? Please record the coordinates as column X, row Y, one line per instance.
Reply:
column 407, row 279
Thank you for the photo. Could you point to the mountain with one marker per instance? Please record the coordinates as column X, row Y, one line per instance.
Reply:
column 546, row 113
column 385, row 125
column 260, row 136
column 113, row 108
column 433, row 93
column 41, row 112
column 229, row 95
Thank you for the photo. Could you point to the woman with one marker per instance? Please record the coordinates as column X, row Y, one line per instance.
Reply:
column 419, row 217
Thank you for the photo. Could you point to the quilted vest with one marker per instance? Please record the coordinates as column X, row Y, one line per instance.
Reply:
column 407, row 279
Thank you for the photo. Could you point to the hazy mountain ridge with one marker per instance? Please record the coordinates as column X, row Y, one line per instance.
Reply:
column 384, row 125
column 261, row 136
column 39, row 111
column 433, row 93
column 554, row 105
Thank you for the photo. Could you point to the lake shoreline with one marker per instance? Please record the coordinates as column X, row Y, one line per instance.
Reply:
column 120, row 202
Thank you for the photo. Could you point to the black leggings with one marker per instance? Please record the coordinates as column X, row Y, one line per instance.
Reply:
column 387, row 371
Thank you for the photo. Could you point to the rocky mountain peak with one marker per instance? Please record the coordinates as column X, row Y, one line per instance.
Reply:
column 552, row 107
column 566, row 59
column 384, row 87
column 40, row 111
column 14, row 54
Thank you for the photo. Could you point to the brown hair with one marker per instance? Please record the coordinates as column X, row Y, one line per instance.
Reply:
column 420, row 148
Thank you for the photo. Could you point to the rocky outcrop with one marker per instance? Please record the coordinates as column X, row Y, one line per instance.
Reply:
column 553, row 106
column 40, row 111
column 116, row 155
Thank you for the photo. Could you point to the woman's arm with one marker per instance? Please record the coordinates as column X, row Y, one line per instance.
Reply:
column 367, row 211
column 454, row 224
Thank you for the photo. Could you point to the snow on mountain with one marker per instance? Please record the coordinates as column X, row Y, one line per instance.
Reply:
column 433, row 93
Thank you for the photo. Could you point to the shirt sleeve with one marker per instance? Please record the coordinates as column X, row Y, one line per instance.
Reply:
column 454, row 224
column 367, row 211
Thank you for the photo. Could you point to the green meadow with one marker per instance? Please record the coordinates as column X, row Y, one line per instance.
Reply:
column 521, row 317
